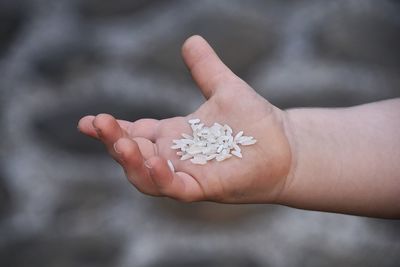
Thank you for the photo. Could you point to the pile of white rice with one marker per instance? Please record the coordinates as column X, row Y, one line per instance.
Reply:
column 208, row 143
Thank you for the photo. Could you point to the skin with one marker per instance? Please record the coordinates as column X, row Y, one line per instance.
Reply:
column 347, row 159
column 302, row 157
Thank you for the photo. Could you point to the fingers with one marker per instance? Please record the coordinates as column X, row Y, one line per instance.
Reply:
column 177, row 185
column 103, row 126
column 108, row 130
column 145, row 128
column 207, row 69
column 153, row 176
column 130, row 157
column 85, row 125
column 146, row 147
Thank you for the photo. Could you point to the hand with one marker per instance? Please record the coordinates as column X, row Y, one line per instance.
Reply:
column 143, row 147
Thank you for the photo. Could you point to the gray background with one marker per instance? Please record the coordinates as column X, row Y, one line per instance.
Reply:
column 63, row 202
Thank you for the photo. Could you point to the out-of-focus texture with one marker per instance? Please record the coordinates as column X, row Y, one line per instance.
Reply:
column 63, row 202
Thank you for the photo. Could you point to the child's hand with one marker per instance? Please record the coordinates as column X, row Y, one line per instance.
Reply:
column 143, row 147
column 340, row 160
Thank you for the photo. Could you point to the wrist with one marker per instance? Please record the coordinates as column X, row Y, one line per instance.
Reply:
column 288, row 128
column 312, row 182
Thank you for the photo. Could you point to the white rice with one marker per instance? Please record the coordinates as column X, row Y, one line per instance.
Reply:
column 208, row 143
column 236, row 153
column 194, row 121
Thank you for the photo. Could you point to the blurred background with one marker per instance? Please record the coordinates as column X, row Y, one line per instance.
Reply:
column 63, row 202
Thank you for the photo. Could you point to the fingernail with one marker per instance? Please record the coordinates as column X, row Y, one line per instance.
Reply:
column 116, row 149
column 148, row 164
column 149, row 167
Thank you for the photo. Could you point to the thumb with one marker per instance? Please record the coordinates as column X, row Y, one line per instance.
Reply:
column 207, row 69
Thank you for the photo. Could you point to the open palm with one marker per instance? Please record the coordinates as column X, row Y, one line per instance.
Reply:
column 144, row 146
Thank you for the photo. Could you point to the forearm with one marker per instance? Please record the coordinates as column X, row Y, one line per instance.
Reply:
column 345, row 160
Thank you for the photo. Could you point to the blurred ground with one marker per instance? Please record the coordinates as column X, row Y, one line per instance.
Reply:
column 64, row 203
